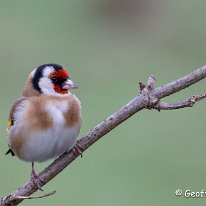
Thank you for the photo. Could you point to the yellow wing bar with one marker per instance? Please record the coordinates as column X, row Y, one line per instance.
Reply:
column 9, row 123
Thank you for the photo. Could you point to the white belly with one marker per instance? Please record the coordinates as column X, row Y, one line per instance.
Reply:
column 50, row 143
column 44, row 145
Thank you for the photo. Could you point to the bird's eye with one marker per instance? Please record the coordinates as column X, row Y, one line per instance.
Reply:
column 57, row 80
column 54, row 79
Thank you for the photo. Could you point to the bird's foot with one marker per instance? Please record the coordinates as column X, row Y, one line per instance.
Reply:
column 77, row 149
column 36, row 180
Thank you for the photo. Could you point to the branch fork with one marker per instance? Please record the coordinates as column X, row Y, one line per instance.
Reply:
column 155, row 103
column 147, row 89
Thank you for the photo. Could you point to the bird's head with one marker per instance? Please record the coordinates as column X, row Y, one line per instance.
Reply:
column 52, row 79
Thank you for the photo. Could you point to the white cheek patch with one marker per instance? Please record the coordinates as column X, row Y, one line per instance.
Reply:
column 46, row 85
column 47, row 71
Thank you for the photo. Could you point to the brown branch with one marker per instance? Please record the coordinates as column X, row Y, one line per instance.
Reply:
column 32, row 197
column 181, row 104
column 148, row 98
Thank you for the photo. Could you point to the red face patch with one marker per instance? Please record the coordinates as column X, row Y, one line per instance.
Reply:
column 59, row 90
column 61, row 74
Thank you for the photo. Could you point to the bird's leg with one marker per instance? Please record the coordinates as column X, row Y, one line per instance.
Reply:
column 34, row 177
column 77, row 149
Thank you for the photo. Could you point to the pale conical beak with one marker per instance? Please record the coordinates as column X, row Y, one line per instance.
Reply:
column 69, row 84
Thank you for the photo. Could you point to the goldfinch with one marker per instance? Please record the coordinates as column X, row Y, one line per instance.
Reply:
column 45, row 121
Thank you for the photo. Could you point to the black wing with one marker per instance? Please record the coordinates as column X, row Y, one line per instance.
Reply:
column 10, row 151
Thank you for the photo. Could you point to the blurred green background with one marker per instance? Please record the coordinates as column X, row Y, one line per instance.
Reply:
column 109, row 46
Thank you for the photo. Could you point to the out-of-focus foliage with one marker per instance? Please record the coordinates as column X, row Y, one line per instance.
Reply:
column 109, row 46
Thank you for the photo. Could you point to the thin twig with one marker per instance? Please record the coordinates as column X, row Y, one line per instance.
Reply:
column 18, row 197
column 181, row 104
column 137, row 104
column 35, row 197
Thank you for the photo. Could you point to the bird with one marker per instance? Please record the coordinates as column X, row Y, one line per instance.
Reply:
column 46, row 119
